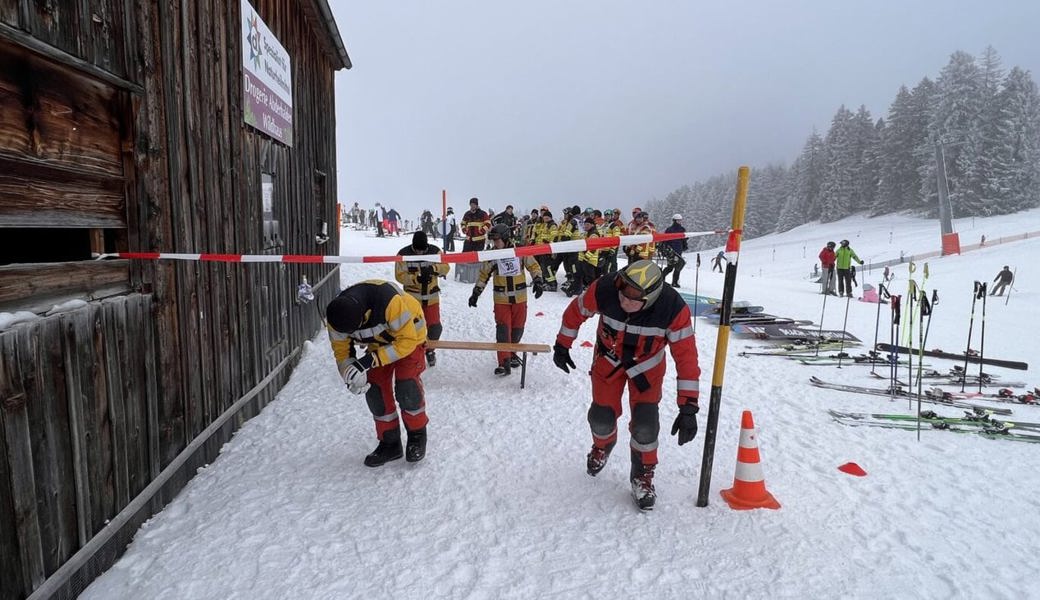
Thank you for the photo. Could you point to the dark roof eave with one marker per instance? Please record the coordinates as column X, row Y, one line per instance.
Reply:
column 329, row 21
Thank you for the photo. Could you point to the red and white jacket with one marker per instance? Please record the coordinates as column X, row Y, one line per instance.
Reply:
column 636, row 341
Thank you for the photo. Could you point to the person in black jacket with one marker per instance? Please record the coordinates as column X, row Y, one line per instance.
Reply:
column 1003, row 279
column 673, row 251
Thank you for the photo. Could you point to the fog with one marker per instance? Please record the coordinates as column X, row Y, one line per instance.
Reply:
column 609, row 103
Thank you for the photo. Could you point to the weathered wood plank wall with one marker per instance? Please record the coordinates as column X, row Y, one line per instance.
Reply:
column 96, row 402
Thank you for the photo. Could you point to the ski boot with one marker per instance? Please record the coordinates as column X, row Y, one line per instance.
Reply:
column 643, row 486
column 514, row 362
column 389, row 449
column 415, row 449
column 431, row 358
column 504, row 368
column 597, row 459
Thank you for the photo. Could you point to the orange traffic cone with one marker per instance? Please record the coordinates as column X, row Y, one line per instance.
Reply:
column 749, row 485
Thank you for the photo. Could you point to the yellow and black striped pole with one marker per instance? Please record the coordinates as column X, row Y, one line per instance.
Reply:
column 732, row 258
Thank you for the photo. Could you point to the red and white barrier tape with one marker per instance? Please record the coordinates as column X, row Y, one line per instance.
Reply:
column 596, row 243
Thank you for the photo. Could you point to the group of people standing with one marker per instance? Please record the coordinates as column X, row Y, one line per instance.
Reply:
column 640, row 315
column 839, row 260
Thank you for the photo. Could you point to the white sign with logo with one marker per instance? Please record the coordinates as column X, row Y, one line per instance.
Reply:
column 266, row 79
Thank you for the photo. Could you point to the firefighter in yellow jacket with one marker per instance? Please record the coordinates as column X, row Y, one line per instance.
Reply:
column 510, row 295
column 389, row 324
column 419, row 279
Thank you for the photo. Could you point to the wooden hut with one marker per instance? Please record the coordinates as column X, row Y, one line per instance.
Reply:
column 181, row 126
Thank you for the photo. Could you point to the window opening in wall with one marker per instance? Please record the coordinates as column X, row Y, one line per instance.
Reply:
column 272, row 233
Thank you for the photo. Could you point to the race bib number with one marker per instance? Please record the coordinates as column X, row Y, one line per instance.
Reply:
column 508, row 266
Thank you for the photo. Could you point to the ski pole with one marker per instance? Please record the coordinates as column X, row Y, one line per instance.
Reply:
column 844, row 323
column 819, row 334
column 971, row 325
column 910, row 297
column 696, row 287
column 931, row 307
column 882, row 294
column 893, row 332
column 982, row 335
column 926, row 309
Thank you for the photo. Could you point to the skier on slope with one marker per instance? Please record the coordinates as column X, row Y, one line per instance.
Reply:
column 1003, row 279
column 639, row 316
column 390, row 324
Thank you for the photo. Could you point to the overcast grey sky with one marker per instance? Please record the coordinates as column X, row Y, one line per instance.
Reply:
column 610, row 102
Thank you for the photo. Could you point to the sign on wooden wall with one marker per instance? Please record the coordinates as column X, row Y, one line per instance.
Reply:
column 266, row 79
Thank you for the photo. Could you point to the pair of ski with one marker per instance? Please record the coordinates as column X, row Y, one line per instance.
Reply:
column 792, row 332
column 971, row 358
column 936, row 377
column 977, row 422
column 900, row 392
column 792, row 349
column 858, row 359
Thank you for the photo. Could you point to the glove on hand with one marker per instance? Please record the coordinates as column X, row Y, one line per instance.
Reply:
column 539, row 287
column 562, row 358
column 473, row 300
column 355, row 378
column 423, row 277
column 686, row 423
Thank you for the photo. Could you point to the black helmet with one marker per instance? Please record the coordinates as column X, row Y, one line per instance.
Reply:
column 643, row 276
column 830, row 244
column 844, row 242
column 499, row 232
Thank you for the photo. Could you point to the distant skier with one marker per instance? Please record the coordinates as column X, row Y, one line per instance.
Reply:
column 843, row 258
column 717, row 261
column 827, row 264
column 1003, row 279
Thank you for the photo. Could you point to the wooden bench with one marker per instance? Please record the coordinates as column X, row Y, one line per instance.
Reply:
column 523, row 349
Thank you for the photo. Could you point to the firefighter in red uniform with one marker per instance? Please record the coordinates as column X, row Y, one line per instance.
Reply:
column 639, row 316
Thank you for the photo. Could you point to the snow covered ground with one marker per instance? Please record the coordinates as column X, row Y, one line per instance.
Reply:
column 502, row 507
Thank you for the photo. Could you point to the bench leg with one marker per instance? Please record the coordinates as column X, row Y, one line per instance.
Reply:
column 523, row 369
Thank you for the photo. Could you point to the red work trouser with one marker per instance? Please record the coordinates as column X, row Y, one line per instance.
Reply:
column 432, row 314
column 398, row 383
column 608, row 383
column 509, row 325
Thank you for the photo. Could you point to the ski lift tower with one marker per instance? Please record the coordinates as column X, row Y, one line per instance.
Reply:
column 951, row 241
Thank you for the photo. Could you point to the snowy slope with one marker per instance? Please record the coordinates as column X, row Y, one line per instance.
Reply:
column 502, row 507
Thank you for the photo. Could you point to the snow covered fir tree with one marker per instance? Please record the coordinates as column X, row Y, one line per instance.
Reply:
column 980, row 120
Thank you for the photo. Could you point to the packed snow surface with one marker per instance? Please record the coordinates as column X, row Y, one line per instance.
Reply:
column 502, row 506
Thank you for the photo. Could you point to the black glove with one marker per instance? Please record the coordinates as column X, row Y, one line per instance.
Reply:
column 686, row 423
column 424, row 276
column 473, row 300
column 562, row 358
column 539, row 287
